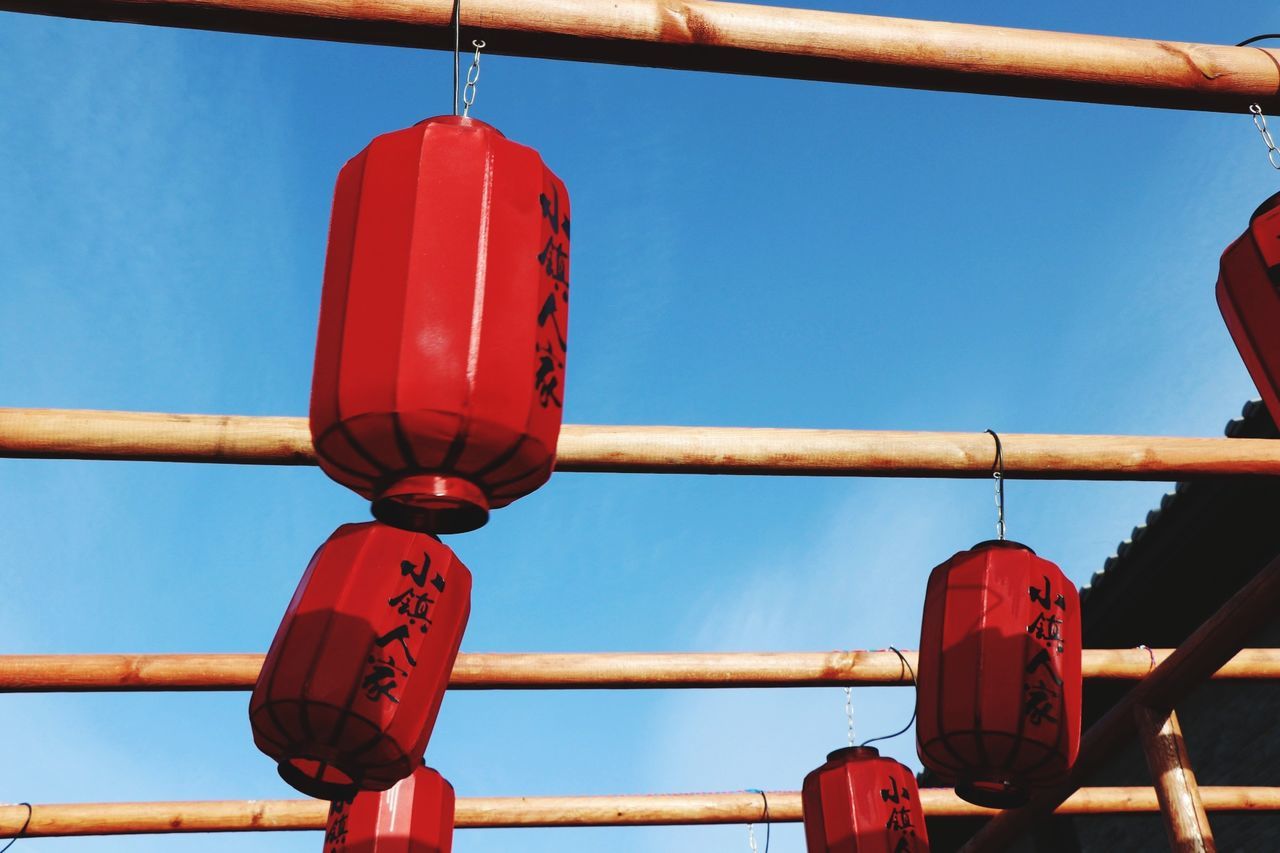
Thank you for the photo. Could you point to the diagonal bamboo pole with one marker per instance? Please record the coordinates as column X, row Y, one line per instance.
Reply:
column 705, row 35
column 1205, row 651
column 148, row 436
column 71, row 819
column 1181, row 806
column 534, row 671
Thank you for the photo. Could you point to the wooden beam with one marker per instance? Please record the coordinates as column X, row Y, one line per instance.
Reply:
column 1185, row 820
column 67, row 819
column 534, row 671
column 704, row 35
column 1211, row 645
column 145, row 436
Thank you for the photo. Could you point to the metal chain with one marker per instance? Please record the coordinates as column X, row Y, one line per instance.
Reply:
column 1260, row 122
column 848, row 711
column 751, row 838
column 473, row 77
column 997, row 473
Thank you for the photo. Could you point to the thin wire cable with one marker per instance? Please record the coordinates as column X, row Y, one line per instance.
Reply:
column 27, row 822
column 1250, row 41
column 911, row 722
column 457, row 28
column 997, row 473
column 1151, row 654
column 768, row 824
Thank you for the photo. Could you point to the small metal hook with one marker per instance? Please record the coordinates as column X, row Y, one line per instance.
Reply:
column 997, row 473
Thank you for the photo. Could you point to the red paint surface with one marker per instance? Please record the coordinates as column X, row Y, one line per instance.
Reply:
column 859, row 802
column 1249, row 298
column 415, row 816
column 353, row 681
column 998, row 687
column 439, row 376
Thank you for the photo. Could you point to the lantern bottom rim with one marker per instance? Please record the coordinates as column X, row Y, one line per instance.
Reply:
column 306, row 782
column 432, row 503
column 993, row 790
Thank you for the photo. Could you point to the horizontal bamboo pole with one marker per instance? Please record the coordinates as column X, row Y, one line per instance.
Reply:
column 146, row 436
column 506, row 812
column 752, row 39
column 532, row 671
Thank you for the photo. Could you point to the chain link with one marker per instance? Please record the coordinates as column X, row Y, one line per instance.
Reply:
column 848, row 711
column 1260, row 122
column 997, row 474
column 473, row 77
column 751, row 838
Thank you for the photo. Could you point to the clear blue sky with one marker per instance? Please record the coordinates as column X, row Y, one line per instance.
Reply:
column 746, row 252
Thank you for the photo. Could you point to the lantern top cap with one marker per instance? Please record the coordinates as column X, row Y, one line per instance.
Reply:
column 1268, row 205
column 1001, row 543
column 461, row 121
column 853, row 752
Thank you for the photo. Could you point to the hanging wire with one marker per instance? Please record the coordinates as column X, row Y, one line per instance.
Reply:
column 911, row 721
column 457, row 29
column 1250, row 41
column 768, row 824
column 1151, row 654
column 997, row 473
column 27, row 822
column 848, row 710
column 473, row 77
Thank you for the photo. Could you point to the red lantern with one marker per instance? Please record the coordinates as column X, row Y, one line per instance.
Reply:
column 439, row 374
column 1249, row 298
column 859, row 802
column 351, row 686
column 416, row 816
column 998, row 688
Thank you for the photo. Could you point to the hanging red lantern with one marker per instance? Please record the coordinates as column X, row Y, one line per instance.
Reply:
column 1249, row 298
column 415, row 816
column 859, row 802
column 998, row 688
column 439, row 374
column 352, row 684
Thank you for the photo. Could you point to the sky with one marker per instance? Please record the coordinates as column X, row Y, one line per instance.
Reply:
column 747, row 252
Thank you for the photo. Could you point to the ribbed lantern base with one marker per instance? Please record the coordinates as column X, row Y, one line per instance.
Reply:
column 317, row 779
column 432, row 503
column 993, row 790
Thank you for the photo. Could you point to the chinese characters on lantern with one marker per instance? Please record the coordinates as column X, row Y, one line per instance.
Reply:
column 414, row 603
column 899, row 822
column 335, row 834
column 554, row 260
column 1042, row 697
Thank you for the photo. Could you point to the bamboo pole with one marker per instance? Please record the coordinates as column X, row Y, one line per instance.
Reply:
column 71, row 819
column 146, row 436
column 535, row 671
column 739, row 38
column 1185, row 820
column 1216, row 641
